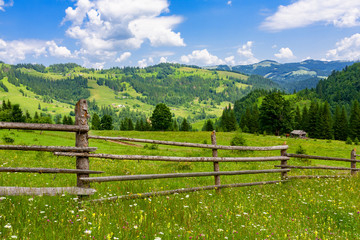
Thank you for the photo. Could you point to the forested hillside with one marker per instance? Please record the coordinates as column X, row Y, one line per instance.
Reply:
column 127, row 93
column 330, row 111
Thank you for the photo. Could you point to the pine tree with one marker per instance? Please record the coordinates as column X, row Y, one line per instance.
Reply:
column 305, row 119
column 297, row 120
column 327, row 122
column 343, row 126
column 354, row 123
column 185, row 126
column 313, row 118
column 95, row 122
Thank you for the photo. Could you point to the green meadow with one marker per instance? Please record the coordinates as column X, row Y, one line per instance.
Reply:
column 297, row 209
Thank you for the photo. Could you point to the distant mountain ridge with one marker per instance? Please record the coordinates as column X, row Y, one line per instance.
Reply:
column 291, row 76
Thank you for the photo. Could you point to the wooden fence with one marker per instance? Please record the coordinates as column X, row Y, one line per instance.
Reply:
column 82, row 152
column 81, row 146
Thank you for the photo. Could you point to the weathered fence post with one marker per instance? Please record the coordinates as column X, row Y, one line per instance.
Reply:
column 81, row 116
column 353, row 164
column 216, row 164
column 284, row 175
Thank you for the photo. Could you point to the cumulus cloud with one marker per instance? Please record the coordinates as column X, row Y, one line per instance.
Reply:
column 301, row 13
column 105, row 27
column 346, row 49
column 163, row 60
column 4, row 4
column 14, row 51
column 230, row 60
column 229, row 3
column 201, row 57
column 245, row 51
column 285, row 53
column 145, row 62
column 123, row 57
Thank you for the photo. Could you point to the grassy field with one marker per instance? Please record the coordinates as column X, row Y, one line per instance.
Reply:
column 298, row 209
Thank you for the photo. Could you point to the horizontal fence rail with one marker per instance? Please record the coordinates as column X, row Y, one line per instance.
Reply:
column 47, row 148
column 43, row 127
column 174, row 159
column 318, row 176
column 197, row 145
column 50, row 191
column 47, row 170
column 321, row 157
column 319, row 167
column 178, row 175
column 184, row 190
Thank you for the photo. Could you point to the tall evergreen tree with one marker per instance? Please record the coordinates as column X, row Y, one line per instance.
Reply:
column 161, row 118
column 185, row 126
column 95, row 122
column 354, row 123
column 327, row 122
column 343, row 130
column 305, row 119
column 275, row 114
column 313, row 118
column 297, row 119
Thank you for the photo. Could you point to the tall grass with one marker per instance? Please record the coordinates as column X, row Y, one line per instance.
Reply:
column 298, row 209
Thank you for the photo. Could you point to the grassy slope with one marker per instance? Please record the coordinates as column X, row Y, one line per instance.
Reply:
column 32, row 101
column 105, row 96
column 303, row 209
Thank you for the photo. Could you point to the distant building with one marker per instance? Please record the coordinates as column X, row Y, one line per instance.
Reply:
column 298, row 134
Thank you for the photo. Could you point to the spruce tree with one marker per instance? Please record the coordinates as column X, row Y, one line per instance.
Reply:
column 327, row 122
column 343, row 126
column 297, row 119
column 95, row 122
column 354, row 123
column 305, row 119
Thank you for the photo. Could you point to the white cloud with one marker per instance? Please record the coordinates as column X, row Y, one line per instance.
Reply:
column 123, row 57
column 301, row 13
column 105, row 27
column 229, row 3
column 15, row 51
column 163, row 60
column 245, row 51
column 346, row 49
column 201, row 57
column 57, row 51
column 142, row 63
column 230, row 60
column 4, row 4
column 285, row 53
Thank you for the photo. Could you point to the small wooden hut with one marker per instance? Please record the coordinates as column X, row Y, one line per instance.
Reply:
column 298, row 134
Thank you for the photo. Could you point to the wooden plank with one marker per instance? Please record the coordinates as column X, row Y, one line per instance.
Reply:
column 47, row 148
column 321, row 157
column 82, row 162
column 353, row 164
column 175, row 159
column 319, row 167
column 43, row 127
column 317, row 176
column 185, row 190
column 216, row 164
column 47, row 170
column 197, row 145
column 50, row 191
column 178, row 175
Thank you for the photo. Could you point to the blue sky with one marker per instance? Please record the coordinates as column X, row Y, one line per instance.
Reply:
column 107, row 33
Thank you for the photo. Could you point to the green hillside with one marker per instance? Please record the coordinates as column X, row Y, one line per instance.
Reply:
column 188, row 91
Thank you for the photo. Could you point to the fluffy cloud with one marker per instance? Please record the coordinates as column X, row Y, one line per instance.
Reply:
column 285, row 53
column 4, row 4
column 14, row 51
column 123, row 57
column 163, row 60
column 341, row 13
column 145, row 62
column 230, row 60
column 201, row 57
column 346, row 49
column 105, row 27
column 245, row 51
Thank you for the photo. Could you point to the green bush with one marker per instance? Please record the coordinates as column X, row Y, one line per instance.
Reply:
column 8, row 139
column 348, row 141
column 151, row 147
column 238, row 140
column 356, row 141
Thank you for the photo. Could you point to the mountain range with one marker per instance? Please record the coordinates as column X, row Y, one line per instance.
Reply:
column 290, row 76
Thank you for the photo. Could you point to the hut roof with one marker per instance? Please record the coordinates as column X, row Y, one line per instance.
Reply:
column 298, row 132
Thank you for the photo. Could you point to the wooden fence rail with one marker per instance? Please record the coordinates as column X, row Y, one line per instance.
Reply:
column 174, row 159
column 43, row 127
column 196, row 145
column 179, row 175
